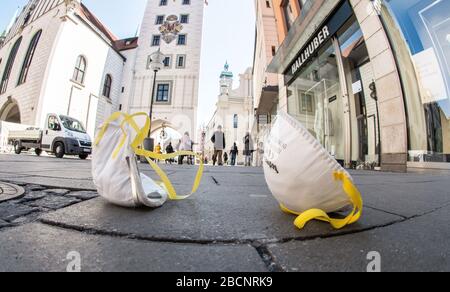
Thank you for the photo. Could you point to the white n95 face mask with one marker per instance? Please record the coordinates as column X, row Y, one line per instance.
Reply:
column 304, row 178
column 115, row 170
column 114, row 164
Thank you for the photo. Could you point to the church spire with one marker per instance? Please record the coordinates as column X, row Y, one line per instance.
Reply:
column 226, row 73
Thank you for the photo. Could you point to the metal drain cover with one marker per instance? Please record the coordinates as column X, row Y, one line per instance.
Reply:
column 10, row 191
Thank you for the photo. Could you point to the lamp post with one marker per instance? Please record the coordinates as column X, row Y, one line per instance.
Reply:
column 156, row 63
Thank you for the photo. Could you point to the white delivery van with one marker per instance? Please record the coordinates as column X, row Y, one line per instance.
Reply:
column 62, row 135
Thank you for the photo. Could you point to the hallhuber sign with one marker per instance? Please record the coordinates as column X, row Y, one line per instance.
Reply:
column 315, row 44
column 329, row 28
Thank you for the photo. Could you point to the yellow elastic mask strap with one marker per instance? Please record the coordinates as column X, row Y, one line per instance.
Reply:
column 317, row 214
column 129, row 119
column 138, row 149
column 170, row 189
column 115, row 116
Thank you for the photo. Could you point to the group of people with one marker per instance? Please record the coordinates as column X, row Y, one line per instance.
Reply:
column 185, row 144
column 220, row 155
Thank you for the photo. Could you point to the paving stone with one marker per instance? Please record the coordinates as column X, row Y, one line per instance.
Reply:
column 31, row 188
column 59, row 192
column 83, row 195
column 224, row 217
column 3, row 223
column 53, row 202
column 29, row 218
column 416, row 245
column 37, row 247
column 32, row 196
column 11, row 211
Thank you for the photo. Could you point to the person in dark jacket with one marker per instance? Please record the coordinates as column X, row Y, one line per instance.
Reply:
column 248, row 151
column 233, row 153
column 225, row 158
column 169, row 150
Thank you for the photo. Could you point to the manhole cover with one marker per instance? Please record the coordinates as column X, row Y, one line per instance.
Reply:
column 10, row 191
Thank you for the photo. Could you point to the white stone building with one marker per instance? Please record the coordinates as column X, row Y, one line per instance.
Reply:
column 234, row 112
column 265, row 85
column 58, row 57
column 174, row 27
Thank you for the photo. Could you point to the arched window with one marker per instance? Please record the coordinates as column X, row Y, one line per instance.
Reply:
column 9, row 66
column 80, row 70
column 107, row 86
column 29, row 58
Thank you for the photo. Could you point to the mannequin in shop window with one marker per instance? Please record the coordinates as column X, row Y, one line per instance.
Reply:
column 323, row 125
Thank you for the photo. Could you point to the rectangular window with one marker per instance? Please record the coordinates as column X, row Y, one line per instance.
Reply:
column 167, row 62
column 182, row 40
column 184, row 18
column 307, row 101
column 181, row 61
column 159, row 19
column 163, row 93
column 156, row 40
column 163, row 3
column 288, row 13
column 186, row 2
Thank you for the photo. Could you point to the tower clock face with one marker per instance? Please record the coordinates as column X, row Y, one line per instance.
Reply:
column 170, row 28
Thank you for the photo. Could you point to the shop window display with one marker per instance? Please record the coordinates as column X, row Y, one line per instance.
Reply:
column 425, row 27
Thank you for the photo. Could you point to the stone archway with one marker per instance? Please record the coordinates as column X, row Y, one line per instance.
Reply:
column 171, row 135
column 10, row 112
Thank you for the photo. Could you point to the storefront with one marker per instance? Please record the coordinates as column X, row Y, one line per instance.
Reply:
column 372, row 97
column 329, row 90
column 419, row 31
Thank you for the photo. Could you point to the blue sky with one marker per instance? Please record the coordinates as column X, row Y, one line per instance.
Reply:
column 229, row 33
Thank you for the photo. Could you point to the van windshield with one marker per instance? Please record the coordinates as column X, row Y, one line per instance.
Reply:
column 72, row 124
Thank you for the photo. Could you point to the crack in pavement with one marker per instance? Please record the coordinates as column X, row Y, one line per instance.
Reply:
column 260, row 245
column 261, row 248
column 215, row 180
column 53, row 177
column 384, row 211
column 47, row 186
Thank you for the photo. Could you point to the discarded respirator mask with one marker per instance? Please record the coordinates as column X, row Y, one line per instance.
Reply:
column 305, row 179
column 114, row 164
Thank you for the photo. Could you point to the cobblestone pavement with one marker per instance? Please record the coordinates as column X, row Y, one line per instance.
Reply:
column 38, row 200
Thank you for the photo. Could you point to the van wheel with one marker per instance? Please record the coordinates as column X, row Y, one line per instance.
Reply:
column 59, row 150
column 83, row 156
column 38, row 151
column 17, row 148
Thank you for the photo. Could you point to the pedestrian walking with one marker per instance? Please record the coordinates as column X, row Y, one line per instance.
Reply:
column 218, row 139
column 248, row 151
column 185, row 145
column 169, row 150
column 158, row 150
column 225, row 158
column 233, row 153
column 190, row 157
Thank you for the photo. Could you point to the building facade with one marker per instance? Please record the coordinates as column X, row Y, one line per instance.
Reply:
column 369, row 79
column 234, row 112
column 57, row 57
column 265, row 85
column 174, row 27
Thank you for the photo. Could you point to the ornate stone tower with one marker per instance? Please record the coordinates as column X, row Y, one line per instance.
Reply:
column 226, row 80
column 175, row 27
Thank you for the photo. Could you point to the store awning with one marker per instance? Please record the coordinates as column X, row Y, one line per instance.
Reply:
column 269, row 98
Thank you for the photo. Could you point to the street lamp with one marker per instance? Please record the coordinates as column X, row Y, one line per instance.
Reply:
column 156, row 63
